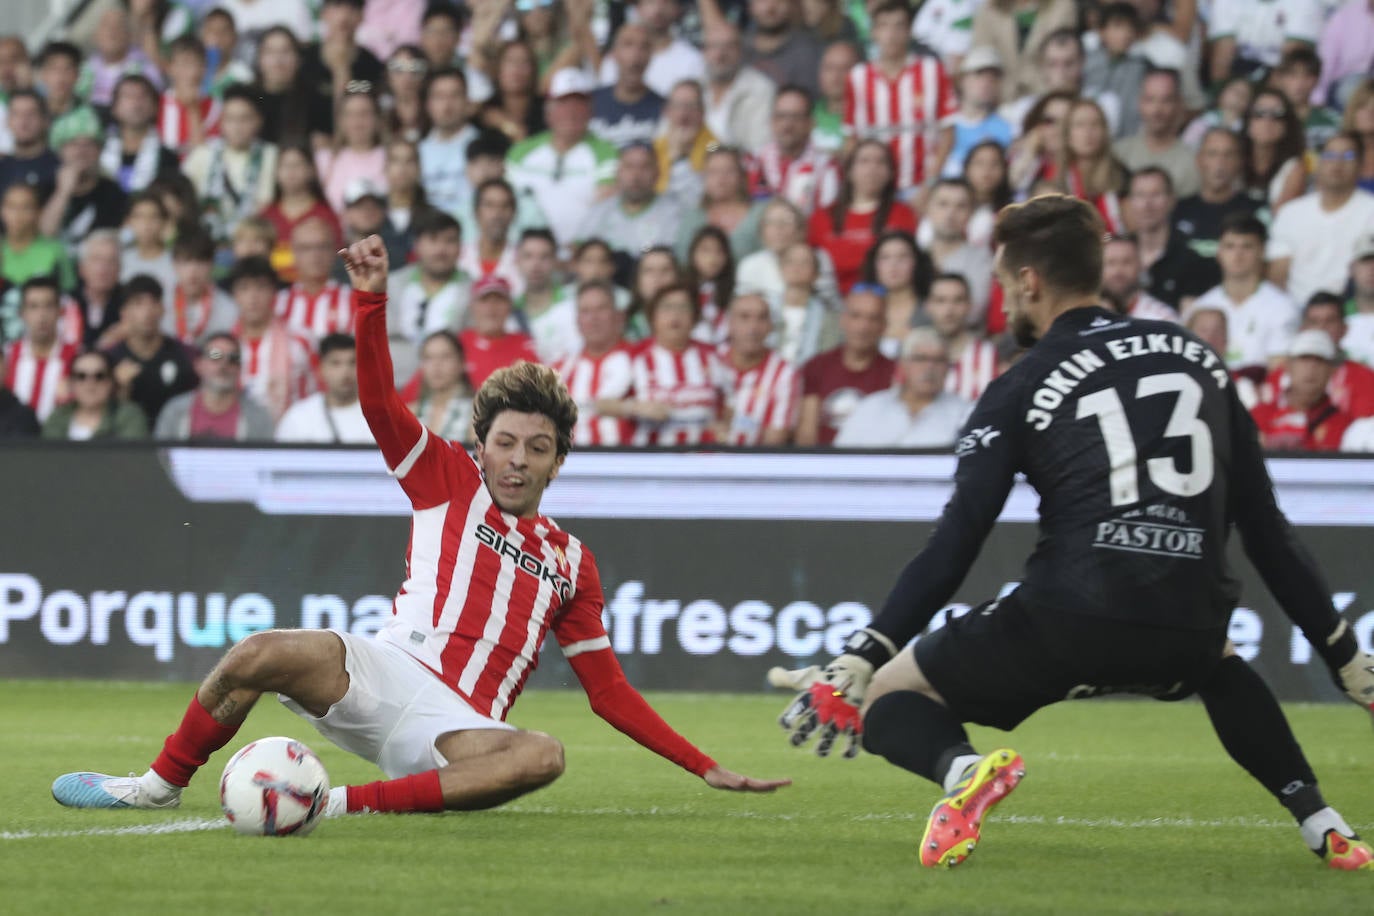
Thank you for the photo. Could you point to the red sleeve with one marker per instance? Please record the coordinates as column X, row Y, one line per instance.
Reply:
column 424, row 465
column 996, row 321
column 901, row 217
column 580, row 632
column 948, row 104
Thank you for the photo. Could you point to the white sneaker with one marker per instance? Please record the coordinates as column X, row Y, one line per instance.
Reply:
column 96, row 790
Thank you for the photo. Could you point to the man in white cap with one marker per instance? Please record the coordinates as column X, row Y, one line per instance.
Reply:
column 1303, row 418
column 566, row 168
column 1359, row 335
column 977, row 120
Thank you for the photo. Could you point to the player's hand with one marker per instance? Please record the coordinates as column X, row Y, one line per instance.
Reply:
column 366, row 263
column 829, row 698
column 1356, row 678
column 720, row 778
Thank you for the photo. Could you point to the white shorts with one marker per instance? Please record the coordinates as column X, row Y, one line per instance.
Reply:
column 394, row 710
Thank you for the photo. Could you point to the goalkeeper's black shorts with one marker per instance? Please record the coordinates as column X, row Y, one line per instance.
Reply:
column 1000, row 662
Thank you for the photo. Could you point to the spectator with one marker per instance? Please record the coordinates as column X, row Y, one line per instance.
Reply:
column 1087, row 169
column 738, row 98
column 1303, row 418
column 998, row 24
column 444, row 148
column 337, row 60
column 977, row 121
column 972, row 359
column 187, row 116
column 80, row 199
column 515, row 107
column 1359, row 120
column 32, row 161
column 98, row 294
column 1274, row 168
column 1168, row 44
column 761, row 404
column 441, row 31
column 1035, row 156
column 946, row 27
column 918, row 126
column 1352, row 384
column 790, row 165
column 627, row 110
column 357, row 150
column 1157, row 143
column 778, row 47
column 24, row 253
column 1211, row 325
column 132, row 154
column 1296, row 77
column 17, row 419
column 94, row 412
column 37, row 363
column 901, row 272
column 255, row 237
column 948, row 212
column 683, row 143
column 59, row 71
column 146, row 228
column 221, row 39
column 405, row 198
column 656, row 269
column 1359, row 340
column 867, row 206
column 293, row 112
column 635, row 216
column 780, row 226
column 1220, row 165
column 315, row 306
column 196, row 307
column 1344, row 49
column 985, row 170
column 1262, row 318
column 257, row 18
column 1110, row 70
column 567, row 168
column 364, row 214
column 157, row 23
column 403, row 99
column 218, row 409
column 598, row 374
column 14, row 77
column 560, row 34
column 672, row 59
column 296, row 198
column 113, row 58
column 1232, row 101
column 333, row 413
column 593, row 261
column 835, row 380
column 1313, row 238
column 388, row 25
column 832, row 83
column 725, row 204
column 443, row 399
column 279, row 363
column 178, row 198
column 150, row 368
column 1244, row 37
column 233, row 173
column 1121, row 282
column 801, row 317
column 487, row 160
column 432, row 293
column 1059, row 64
column 490, row 251
column 915, row 413
column 546, row 309
column 710, row 270
column 830, row 23
column 1174, row 273
column 487, row 344
column 679, row 385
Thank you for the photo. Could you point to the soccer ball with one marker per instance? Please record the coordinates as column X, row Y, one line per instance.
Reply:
column 274, row 787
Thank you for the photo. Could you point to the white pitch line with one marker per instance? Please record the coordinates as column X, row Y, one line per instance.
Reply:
column 186, row 825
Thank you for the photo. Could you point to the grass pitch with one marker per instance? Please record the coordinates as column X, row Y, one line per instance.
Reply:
column 1129, row 807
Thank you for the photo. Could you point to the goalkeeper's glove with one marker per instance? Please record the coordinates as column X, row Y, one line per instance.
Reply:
column 1352, row 669
column 830, row 697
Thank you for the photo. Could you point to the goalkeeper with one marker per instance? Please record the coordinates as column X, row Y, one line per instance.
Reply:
column 1143, row 458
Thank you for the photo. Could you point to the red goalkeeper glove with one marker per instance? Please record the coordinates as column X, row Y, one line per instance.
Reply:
column 830, row 697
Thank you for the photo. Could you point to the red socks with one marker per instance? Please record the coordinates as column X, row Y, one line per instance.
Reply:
column 420, row 792
column 186, row 749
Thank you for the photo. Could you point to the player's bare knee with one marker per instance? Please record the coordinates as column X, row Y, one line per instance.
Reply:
column 245, row 664
column 543, row 758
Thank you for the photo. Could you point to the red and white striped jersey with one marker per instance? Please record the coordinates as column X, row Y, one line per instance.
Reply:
column 37, row 380
column 762, row 398
column 483, row 587
column 810, row 181
column 591, row 379
column 173, row 126
column 973, row 371
column 907, row 111
column 278, row 367
column 329, row 311
column 693, row 382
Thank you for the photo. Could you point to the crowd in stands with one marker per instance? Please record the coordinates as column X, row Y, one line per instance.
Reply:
column 741, row 222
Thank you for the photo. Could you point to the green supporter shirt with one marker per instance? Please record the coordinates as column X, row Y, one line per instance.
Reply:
column 43, row 256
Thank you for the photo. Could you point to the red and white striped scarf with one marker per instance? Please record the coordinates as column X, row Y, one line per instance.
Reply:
column 330, row 311
column 278, row 367
column 973, row 371
column 174, row 127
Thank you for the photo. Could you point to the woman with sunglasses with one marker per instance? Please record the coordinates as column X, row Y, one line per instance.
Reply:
column 93, row 411
column 403, row 100
column 1274, row 148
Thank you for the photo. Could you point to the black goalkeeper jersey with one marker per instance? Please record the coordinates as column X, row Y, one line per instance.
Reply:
column 1131, row 433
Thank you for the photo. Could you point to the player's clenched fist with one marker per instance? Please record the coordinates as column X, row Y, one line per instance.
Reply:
column 366, row 263
column 830, row 697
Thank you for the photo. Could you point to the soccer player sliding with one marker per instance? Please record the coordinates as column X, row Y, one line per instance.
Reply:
column 1131, row 433
column 487, row 577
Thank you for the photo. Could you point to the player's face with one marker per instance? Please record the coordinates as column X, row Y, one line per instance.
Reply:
column 519, row 459
column 948, row 307
column 1239, row 255
column 1017, row 293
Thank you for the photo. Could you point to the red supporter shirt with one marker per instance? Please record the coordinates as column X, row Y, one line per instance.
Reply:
column 484, row 587
column 1284, row 428
column 484, row 355
column 848, row 247
column 1351, row 388
column 840, row 388
column 207, row 425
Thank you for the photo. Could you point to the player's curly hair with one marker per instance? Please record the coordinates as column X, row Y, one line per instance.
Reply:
column 525, row 388
column 1059, row 236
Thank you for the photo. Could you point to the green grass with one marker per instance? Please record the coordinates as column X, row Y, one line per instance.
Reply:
column 1129, row 807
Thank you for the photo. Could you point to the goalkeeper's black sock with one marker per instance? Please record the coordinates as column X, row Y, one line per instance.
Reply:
column 916, row 733
column 1256, row 734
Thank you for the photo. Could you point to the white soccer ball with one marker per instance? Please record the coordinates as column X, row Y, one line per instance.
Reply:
column 274, row 787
